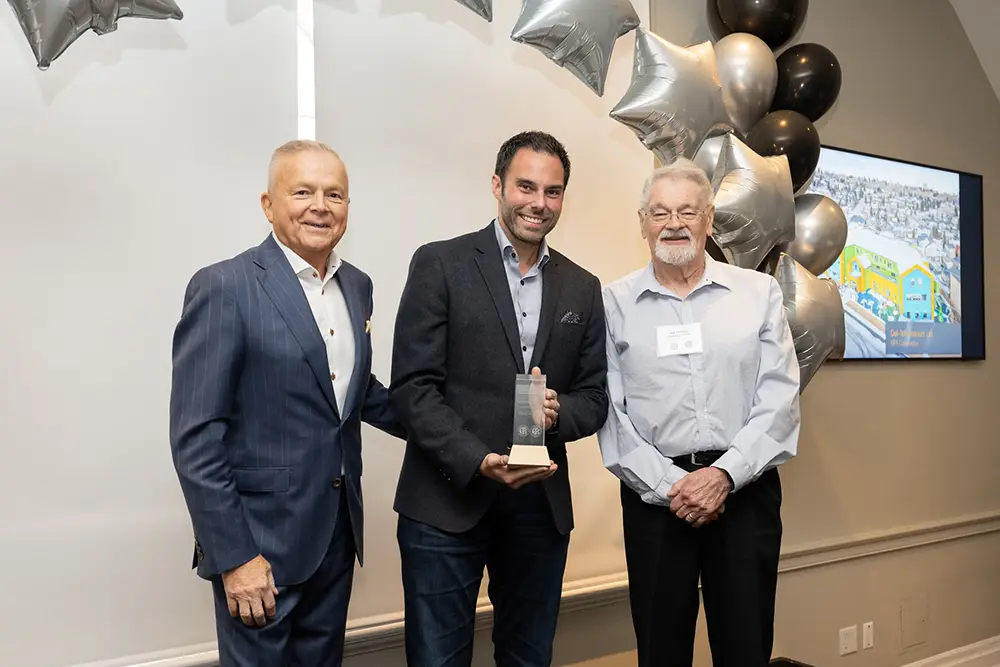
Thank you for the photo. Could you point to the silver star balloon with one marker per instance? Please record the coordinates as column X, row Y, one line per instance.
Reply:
column 707, row 157
column 815, row 315
column 51, row 26
column 579, row 35
column 482, row 7
column 754, row 205
column 675, row 100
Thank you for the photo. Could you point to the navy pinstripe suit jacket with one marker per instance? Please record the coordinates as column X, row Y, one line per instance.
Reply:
column 255, row 433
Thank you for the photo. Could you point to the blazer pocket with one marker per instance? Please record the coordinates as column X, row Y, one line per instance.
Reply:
column 262, row 480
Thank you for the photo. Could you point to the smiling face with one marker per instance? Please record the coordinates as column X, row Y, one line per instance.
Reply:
column 530, row 198
column 307, row 203
column 677, row 221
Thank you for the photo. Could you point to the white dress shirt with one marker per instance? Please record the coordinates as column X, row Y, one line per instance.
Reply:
column 739, row 395
column 329, row 309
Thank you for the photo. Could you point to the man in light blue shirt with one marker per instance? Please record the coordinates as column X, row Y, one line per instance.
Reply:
column 704, row 388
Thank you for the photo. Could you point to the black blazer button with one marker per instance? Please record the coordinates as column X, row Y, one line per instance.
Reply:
column 337, row 482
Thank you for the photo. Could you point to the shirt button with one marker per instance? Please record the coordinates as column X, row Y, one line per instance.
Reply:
column 524, row 348
column 315, row 275
column 333, row 376
column 331, row 332
column 524, row 314
column 522, row 282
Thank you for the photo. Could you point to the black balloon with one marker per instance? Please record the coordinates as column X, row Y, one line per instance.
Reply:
column 715, row 24
column 809, row 79
column 774, row 21
column 791, row 134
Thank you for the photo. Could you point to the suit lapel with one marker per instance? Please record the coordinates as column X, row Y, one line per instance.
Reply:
column 351, row 288
column 551, row 285
column 283, row 288
column 491, row 267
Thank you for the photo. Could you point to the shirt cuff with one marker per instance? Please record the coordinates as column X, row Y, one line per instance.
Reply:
column 736, row 465
column 658, row 496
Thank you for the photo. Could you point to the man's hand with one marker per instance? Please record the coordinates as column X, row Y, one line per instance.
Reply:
column 250, row 591
column 550, row 405
column 699, row 496
column 495, row 467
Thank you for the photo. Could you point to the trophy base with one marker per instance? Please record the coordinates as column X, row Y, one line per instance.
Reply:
column 525, row 456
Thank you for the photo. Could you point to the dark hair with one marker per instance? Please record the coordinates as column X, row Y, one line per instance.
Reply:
column 537, row 141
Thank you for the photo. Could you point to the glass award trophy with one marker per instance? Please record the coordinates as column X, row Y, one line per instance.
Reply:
column 528, row 440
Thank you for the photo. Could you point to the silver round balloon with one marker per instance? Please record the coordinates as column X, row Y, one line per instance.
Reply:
column 748, row 73
column 820, row 232
column 579, row 35
column 51, row 26
column 815, row 316
column 482, row 7
column 674, row 101
column 754, row 208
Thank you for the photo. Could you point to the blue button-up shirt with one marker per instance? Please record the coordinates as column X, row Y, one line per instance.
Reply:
column 740, row 394
column 525, row 291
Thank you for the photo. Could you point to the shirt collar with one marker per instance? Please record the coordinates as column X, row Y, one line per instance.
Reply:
column 715, row 273
column 507, row 248
column 300, row 266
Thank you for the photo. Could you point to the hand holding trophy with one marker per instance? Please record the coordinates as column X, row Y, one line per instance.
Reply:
column 536, row 409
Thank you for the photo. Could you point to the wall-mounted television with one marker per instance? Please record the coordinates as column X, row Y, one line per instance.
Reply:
column 911, row 273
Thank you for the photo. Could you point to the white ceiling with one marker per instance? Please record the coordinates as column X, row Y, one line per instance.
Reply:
column 981, row 20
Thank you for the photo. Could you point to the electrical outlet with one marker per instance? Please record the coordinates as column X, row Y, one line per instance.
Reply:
column 849, row 640
column 868, row 635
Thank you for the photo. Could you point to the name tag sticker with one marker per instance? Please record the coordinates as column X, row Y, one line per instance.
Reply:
column 681, row 339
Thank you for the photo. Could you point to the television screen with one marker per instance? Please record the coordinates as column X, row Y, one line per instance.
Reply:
column 911, row 273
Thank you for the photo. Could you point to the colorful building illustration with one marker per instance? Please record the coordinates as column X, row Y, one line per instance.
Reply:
column 890, row 268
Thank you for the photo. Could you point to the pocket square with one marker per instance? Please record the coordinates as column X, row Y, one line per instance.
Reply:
column 569, row 317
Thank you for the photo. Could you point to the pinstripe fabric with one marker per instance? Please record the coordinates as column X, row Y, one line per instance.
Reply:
column 255, row 433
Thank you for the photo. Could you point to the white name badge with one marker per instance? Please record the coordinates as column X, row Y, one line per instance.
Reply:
column 681, row 339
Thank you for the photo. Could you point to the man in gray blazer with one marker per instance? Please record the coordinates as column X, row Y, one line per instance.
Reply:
column 272, row 379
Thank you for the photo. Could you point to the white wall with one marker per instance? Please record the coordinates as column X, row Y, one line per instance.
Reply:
column 135, row 159
column 139, row 157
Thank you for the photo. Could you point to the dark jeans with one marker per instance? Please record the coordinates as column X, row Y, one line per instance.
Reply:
column 518, row 544
column 736, row 558
column 309, row 625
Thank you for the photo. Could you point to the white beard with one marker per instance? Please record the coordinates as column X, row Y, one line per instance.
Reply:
column 676, row 255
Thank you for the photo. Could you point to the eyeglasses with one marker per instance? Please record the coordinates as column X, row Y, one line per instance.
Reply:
column 686, row 216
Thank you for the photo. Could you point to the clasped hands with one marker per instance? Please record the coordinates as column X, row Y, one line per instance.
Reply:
column 698, row 498
column 494, row 466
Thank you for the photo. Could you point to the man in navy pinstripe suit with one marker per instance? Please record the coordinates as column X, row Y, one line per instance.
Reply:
column 272, row 379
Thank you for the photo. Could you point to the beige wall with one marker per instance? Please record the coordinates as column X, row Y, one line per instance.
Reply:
column 895, row 493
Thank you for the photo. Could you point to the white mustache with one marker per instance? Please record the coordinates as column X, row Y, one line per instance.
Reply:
column 675, row 234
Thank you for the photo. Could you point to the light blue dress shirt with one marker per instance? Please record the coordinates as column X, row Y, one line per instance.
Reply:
column 740, row 394
column 525, row 291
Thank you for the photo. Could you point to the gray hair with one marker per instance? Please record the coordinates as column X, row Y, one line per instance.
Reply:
column 292, row 148
column 680, row 169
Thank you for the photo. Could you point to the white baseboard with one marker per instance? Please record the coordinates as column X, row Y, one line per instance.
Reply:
column 981, row 654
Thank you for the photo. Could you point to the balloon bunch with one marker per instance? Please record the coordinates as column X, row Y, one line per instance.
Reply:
column 51, row 26
column 773, row 102
column 746, row 117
